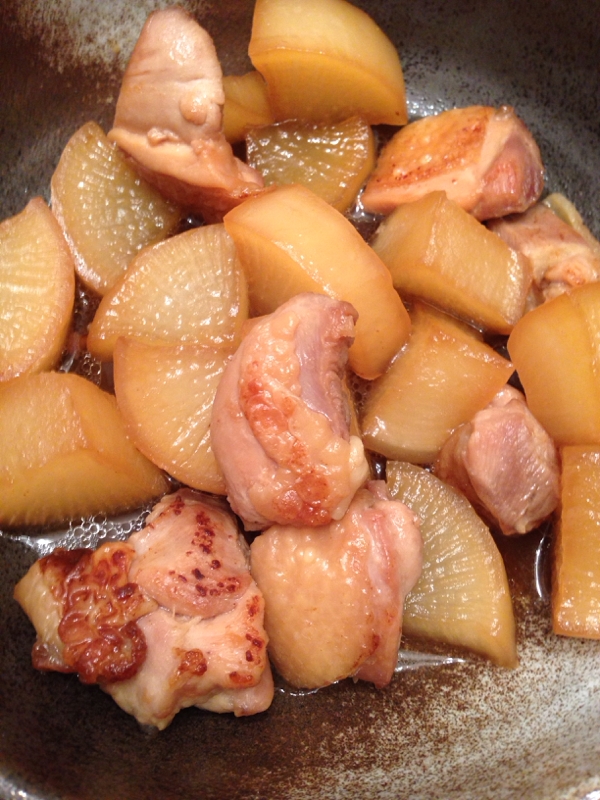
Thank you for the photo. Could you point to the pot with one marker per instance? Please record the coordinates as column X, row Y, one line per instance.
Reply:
column 446, row 729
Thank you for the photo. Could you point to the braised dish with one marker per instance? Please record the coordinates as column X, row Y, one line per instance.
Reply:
column 462, row 729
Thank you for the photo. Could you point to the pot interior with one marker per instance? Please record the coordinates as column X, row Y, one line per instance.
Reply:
column 460, row 730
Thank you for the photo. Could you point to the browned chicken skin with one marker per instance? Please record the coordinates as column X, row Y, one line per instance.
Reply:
column 505, row 463
column 280, row 425
column 335, row 595
column 484, row 158
column 169, row 117
column 560, row 257
column 168, row 619
column 85, row 611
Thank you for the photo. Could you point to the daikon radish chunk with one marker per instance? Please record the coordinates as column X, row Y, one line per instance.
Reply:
column 189, row 289
column 290, row 241
column 438, row 252
column 246, row 105
column 65, row 453
column 326, row 60
column 576, row 566
column 462, row 597
column 556, row 352
column 438, row 381
column 165, row 394
column 106, row 210
column 333, row 160
column 37, row 289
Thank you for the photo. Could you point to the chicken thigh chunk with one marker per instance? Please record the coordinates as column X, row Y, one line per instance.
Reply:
column 280, row 422
column 171, row 618
column 169, row 117
column 484, row 158
column 334, row 596
column 505, row 463
column 560, row 257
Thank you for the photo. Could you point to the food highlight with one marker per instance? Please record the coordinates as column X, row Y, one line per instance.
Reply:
column 264, row 359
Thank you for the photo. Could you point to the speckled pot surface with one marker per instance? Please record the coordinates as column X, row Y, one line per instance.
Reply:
column 460, row 730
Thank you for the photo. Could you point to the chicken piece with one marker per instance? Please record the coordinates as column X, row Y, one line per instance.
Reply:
column 41, row 594
column 85, row 611
column 560, row 257
column 280, row 419
column 168, row 619
column 505, row 463
column 169, row 117
column 567, row 211
column 181, row 533
column 334, row 596
column 484, row 158
column 219, row 664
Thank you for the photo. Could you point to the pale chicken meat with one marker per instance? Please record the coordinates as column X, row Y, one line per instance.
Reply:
column 169, row 619
column 560, row 256
column 280, row 419
column 567, row 211
column 180, row 533
column 218, row 664
column 484, row 158
column 169, row 117
column 505, row 463
column 334, row 596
